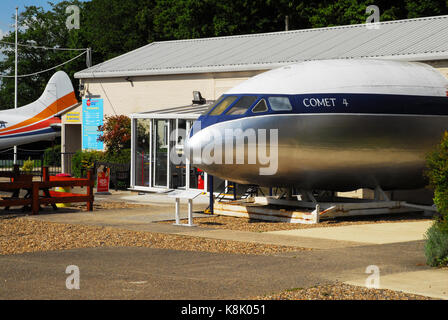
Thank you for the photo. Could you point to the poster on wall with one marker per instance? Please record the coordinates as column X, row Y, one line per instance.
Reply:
column 92, row 117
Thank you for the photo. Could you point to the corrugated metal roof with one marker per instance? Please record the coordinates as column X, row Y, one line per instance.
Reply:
column 413, row 40
column 183, row 112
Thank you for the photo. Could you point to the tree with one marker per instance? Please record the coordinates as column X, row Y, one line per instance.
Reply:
column 43, row 28
column 114, row 27
column 116, row 133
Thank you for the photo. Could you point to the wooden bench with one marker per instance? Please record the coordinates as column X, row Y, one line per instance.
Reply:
column 34, row 199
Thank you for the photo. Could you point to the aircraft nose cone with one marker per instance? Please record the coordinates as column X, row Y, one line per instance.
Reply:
column 193, row 149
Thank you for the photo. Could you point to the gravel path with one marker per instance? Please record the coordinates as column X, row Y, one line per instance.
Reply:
column 245, row 224
column 341, row 291
column 19, row 235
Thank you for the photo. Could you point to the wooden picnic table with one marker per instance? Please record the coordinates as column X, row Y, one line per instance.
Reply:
column 34, row 200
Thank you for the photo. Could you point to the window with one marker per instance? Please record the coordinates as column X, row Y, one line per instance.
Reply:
column 241, row 106
column 223, row 105
column 280, row 103
column 261, row 106
column 213, row 105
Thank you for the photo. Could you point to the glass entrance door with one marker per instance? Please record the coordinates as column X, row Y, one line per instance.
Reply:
column 160, row 153
column 178, row 166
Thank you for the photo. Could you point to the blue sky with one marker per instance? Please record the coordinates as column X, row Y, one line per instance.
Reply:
column 8, row 7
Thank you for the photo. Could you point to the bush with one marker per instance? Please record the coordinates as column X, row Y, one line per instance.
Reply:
column 52, row 156
column 436, row 246
column 85, row 160
column 28, row 165
column 122, row 156
column 116, row 133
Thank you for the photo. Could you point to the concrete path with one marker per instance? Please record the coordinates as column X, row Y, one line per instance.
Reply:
column 431, row 283
column 146, row 273
column 142, row 219
column 342, row 254
column 375, row 233
column 147, row 198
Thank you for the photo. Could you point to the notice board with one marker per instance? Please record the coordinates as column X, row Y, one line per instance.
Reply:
column 92, row 117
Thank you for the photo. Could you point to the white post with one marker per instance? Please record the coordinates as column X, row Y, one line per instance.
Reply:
column 177, row 211
column 190, row 212
column 317, row 214
column 15, row 80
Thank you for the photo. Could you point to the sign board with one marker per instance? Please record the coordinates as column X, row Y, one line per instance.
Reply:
column 73, row 117
column 92, row 117
column 102, row 180
column 184, row 194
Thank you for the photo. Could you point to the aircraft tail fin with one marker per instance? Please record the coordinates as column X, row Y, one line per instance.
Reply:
column 58, row 96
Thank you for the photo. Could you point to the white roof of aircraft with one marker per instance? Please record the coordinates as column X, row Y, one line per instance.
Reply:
column 419, row 39
column 348, row 76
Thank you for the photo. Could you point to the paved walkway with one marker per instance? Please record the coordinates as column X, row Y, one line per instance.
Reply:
column 147, row 273
column 431, row 283
column 375, row 233
column 341, row 253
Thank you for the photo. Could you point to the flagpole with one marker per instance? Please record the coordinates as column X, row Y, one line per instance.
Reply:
column 15, row 80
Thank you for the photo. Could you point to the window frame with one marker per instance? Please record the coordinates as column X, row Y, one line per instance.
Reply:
column 257, row 98
column 284, row 97
column 227, row 108
column 256, row 104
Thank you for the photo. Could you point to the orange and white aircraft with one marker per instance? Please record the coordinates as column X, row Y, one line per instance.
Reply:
column 38, row 120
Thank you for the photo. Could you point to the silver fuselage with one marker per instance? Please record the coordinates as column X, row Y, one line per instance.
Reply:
column 332, row 151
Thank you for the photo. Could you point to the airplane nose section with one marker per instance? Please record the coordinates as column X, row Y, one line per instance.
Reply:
column 193, row 149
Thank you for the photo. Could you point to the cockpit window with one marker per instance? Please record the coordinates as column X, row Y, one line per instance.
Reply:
column 223, row 105
column 280, row 103
column 241, row 106
column 261, row 106
column 213, row 105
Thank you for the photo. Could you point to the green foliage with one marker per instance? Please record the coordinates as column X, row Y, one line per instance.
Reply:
column 44, row 28
column 122, row 156
column 112, row 28
column 85, row 160
column 116, row 133
column 437, row 173
column 52, row 156
column 28, row 165
column 436, row 246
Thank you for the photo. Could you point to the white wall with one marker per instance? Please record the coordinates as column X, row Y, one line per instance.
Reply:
column 157, row 92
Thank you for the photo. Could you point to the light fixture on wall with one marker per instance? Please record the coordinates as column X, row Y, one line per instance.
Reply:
column 197, row 98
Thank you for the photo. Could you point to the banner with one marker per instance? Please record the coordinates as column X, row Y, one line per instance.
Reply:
column 92, row 117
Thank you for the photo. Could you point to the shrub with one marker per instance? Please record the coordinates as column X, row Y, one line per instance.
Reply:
column 85, row 160
column 437, row 172
column 436, row 246
column 52, row 156
column 116, row 133
column 121, row 156
column 28, row 165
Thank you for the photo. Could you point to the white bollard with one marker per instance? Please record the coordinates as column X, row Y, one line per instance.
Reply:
column 177, row 211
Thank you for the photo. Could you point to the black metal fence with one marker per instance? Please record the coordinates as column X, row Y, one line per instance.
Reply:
column 34, row 160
